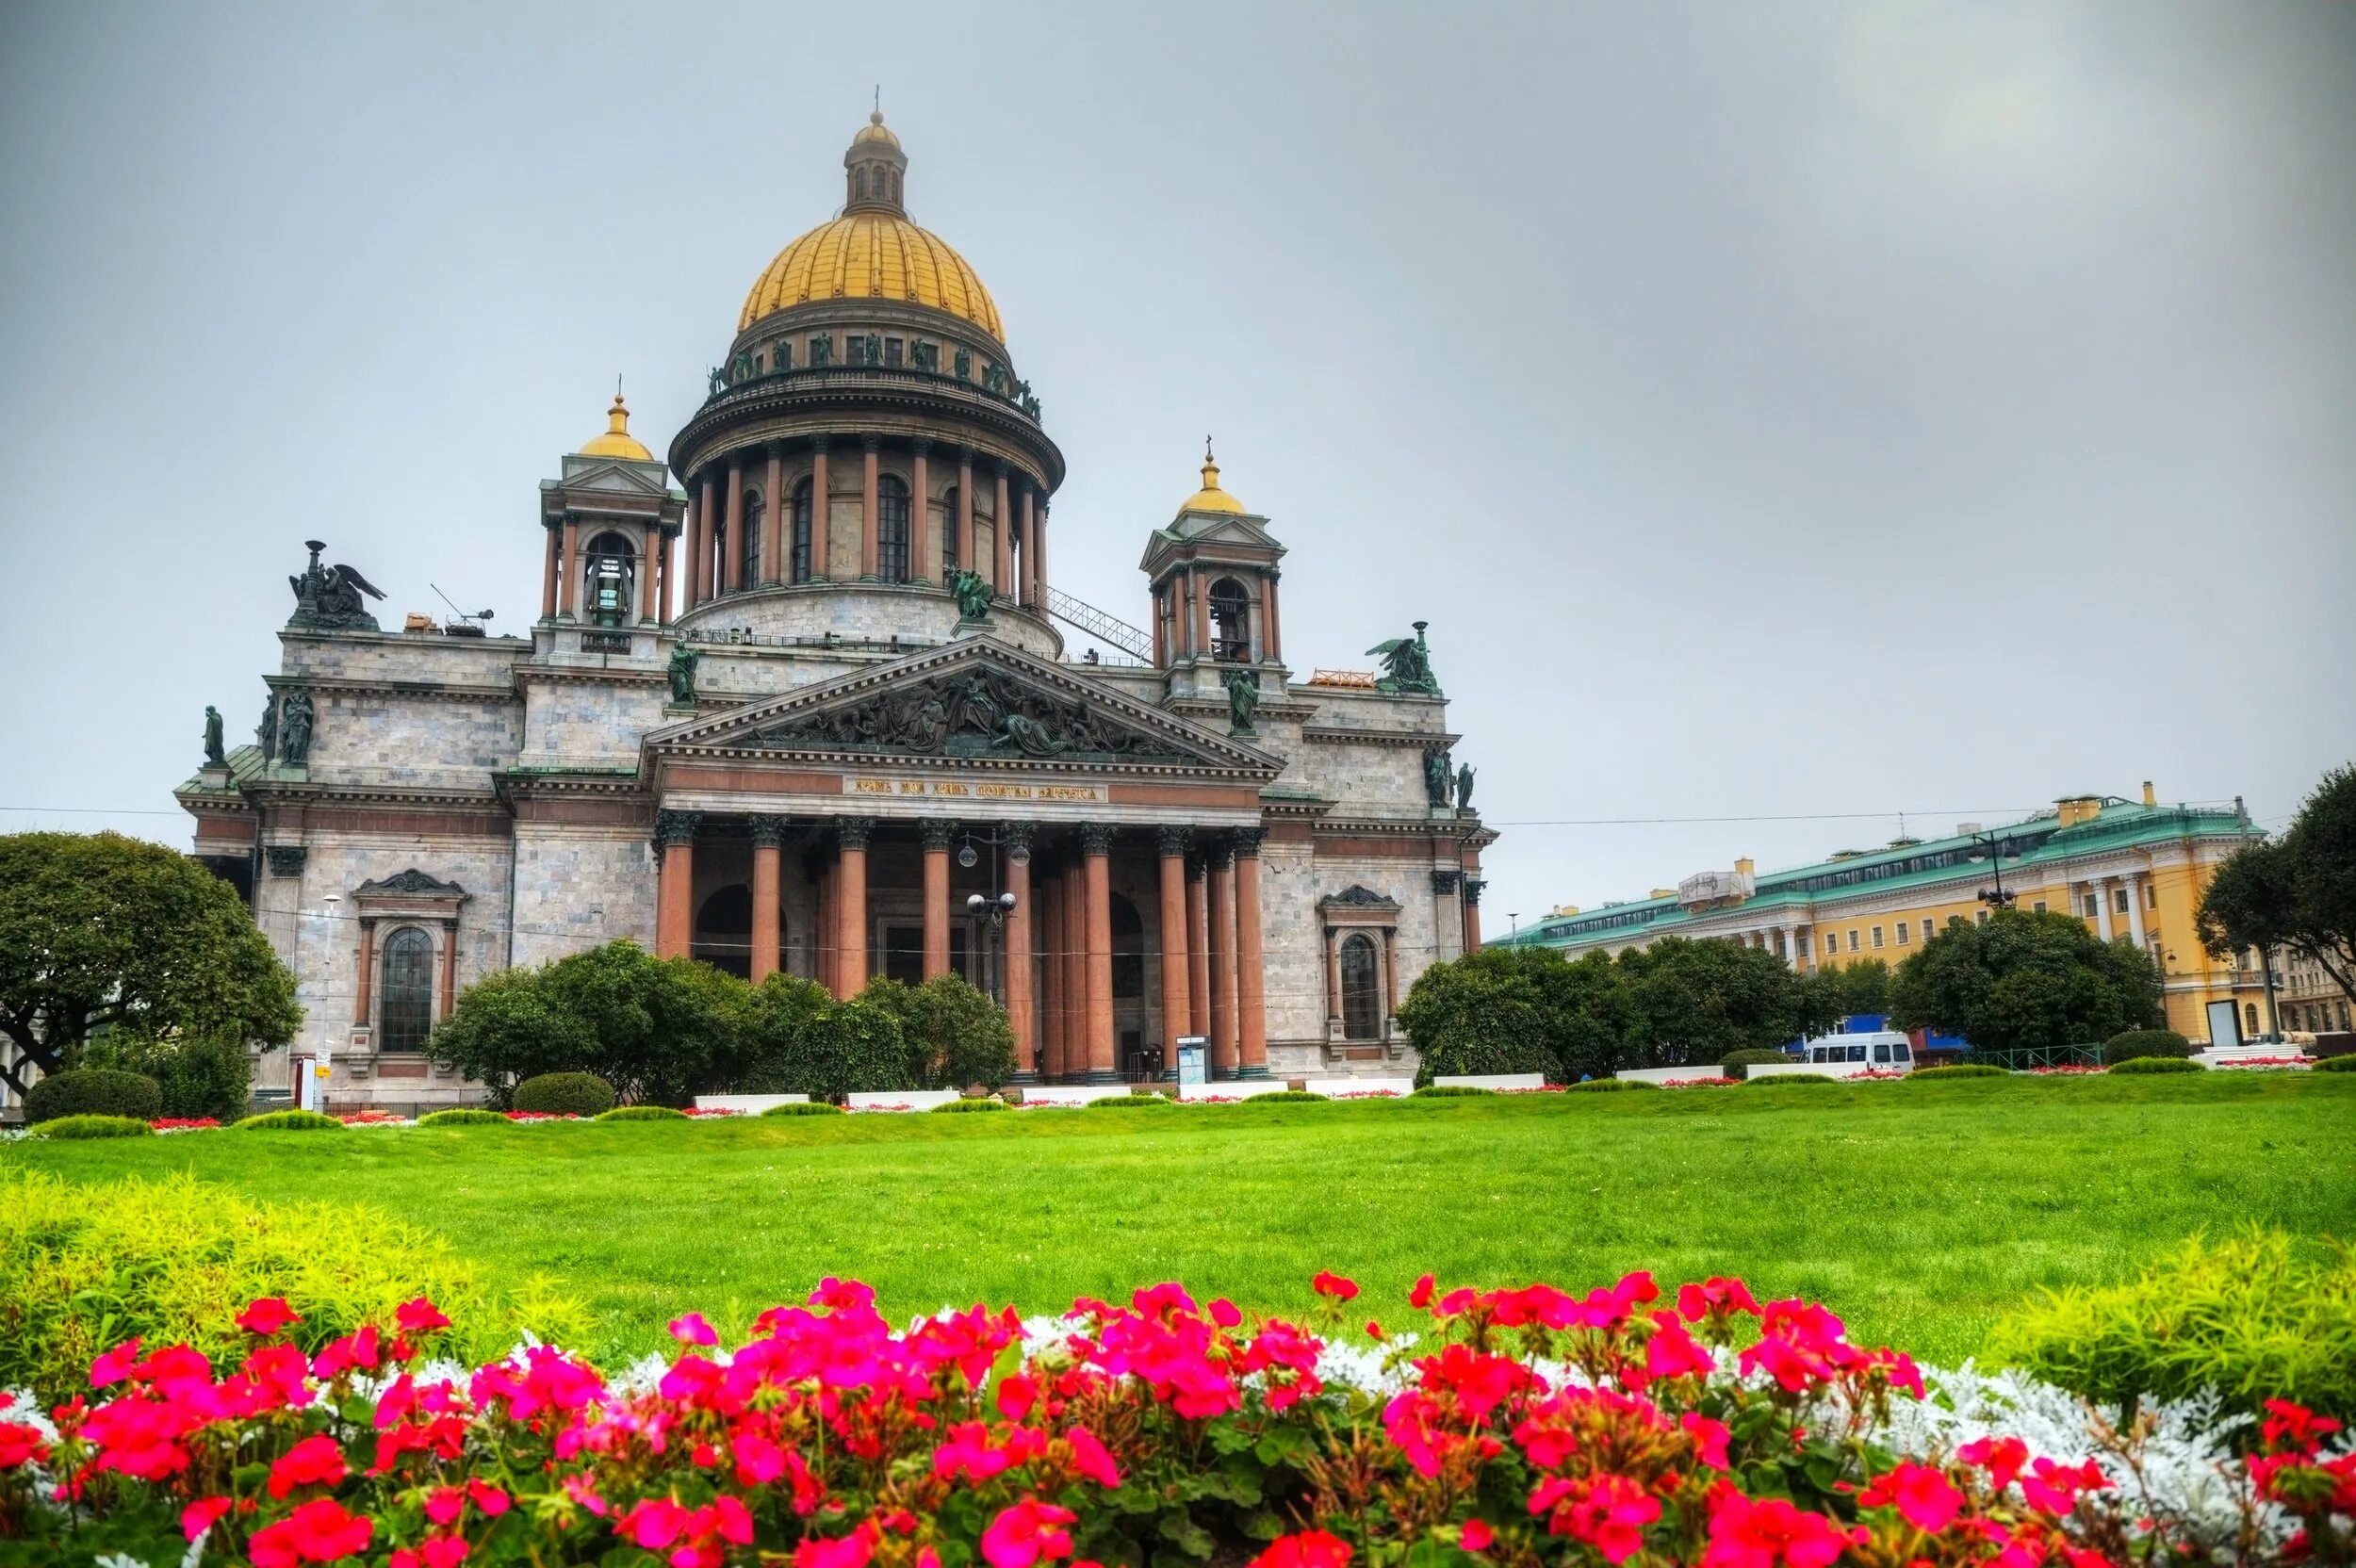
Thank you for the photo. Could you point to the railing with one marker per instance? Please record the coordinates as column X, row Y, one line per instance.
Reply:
column 1015, row 400
column 2040, row 1056
column 1130, row 639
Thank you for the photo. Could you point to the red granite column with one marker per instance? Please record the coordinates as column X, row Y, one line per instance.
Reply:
column 1472, row 913
column 920, row 511
column 871, row 529
column 1333, row 974
column 965, row 510
column 1176, row 1021
column 1002, row 542
column 450, row 965
column 675, row 898
column 732, row 543
column 773, row 518
column 1022, row 1015
column 1251, row 975
column 663, row 568
column 1271, row 635
column 1096, row 843
column 547, row 580
column 822, row 930
column 368, row 972
column 1223, row 1053
column 1198, row 946
column 1161, row 640
column 1075, row 971
column 699, row 580
column 649, row 554
column 1201, row 615
column 567, row 569
column 934, row 834
column 1030, row 544
column 821, row 513
column 852, row 832
column 1052, row 1003
column 768, row 879
column 1037, row 544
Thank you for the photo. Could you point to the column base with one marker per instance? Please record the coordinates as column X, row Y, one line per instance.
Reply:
column 1100, row 1076
column 1225, row 1074
column 1260, row 1071
column 1024, row 1076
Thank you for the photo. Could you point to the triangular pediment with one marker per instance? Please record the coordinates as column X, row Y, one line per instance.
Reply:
column 639, row 480
column 1211, row 536
column 976, row 701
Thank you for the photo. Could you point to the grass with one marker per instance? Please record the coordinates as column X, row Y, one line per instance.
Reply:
column 1919, row 1212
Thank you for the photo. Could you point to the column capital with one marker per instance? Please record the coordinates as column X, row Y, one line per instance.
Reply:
column 1173, row 840
column 1001, row 468
column 769, row 831
column 1247, row 841
column 1444, row 882
column 1096, row 838
column 1220, row 851
column 922, row 445
column 936, row 833
column 736, row 464
column 1197, row 866
column 965, row 453
column 1472, row 890
column 677, row 827
column 773, row 450
column 820, row 443
column 854, row 832
column 1018, row 836
column 870, row 443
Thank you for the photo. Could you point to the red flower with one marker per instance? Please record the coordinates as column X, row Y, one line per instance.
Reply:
column 1919, row 1493
column 1017, row 1394
column 318, row 1531
column 1709, row 1438
column 849, row 1551
column 266, row 1315
column 1304, row 1550
column 1671, row 1352
column 2054, row 1488
column 653, row 1523
column 1606, row 1511
column 1224, row 1313
column 2001, row 1457
column 2304, row 1429
column 1029, row 1532
column 1747, row 1534
column 1329, row 1283
column 419, row 1316
column 20, row 1444
column 1724, row 1296
column 489, row 1498
column 115, row 1365
column 198, row 1516
column 1478, row 1536
column 314, row 1461
column 1420, row 1296
column 1091, row 1458
column 446, row 1505
column 967, row 1453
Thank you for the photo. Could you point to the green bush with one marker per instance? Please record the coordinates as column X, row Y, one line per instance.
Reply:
column 804, row 1107
column 1789, row 1080
column 1285, row 1097
column 641, row 1113
column 464, row 1116
column 1610, row 1086
column 954, row 1035
column 85, row 1268
column 93, row 1091
column 1959, row 1070
column 200, row 1078
column 2336, row 1064
column 2249, row 1317
column 2130, row 1045
column 2156, row 1064
column 95, row 1127
column 1451, row 1091
column 1733, row 1063
column 565, row 1094
column 291, row 1122
column 963, row 1106
column 1131, row 1102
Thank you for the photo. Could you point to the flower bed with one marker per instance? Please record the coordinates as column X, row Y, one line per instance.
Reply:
column 1699, row 1083
column 2229, row 1063
column 1520, row 1426
column 184, row 1123
column 2077, row 1070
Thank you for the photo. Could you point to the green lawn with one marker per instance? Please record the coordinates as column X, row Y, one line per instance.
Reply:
column 1918, row 1211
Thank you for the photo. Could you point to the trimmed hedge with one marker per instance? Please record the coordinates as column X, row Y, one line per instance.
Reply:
column 1733, row 1063
column 2336, row 1064
column 2130, row 1045
column 95, row 1127
column 566, row 1094
column 93, row 1091
column 291, row 1122
column 1285, row 1097
column 2158, row 1064
column 464, row 1116
column 1959, row 1070
column 1451, row 1091
column 1130, row 1102
column 1781, row 1079
column 641, row 1113
column 200, row 1078
column 1609, row 1086
column 804, row 1107
column 964, row 1106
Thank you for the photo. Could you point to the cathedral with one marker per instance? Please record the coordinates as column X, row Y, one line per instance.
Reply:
column 816, row 708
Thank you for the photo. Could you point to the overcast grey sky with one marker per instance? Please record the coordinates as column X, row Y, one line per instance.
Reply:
column 1775, row 410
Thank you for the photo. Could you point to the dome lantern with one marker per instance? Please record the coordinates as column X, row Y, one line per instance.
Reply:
column 873, row 170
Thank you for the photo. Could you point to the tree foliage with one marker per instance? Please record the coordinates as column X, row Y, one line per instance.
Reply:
column 2026, row 981
column 955, row 1036
column 101, row 932
column 2299, row 892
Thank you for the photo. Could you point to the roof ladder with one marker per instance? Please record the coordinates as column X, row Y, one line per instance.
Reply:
column 1134, row 641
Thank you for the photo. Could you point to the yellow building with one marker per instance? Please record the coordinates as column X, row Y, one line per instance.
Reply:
column 2130, row 869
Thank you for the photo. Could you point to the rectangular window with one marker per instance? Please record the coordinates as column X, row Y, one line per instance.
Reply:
column 1983, row 917
column 1898, row 1051
column 1926, row 928
column 858, row 354
column 2093, row 905
column 892, row 352
column 1881, row 1053
column 2150, row 895
column 1878, row 935
column 1953, row 920
column 1902, row 933
column 2119, row 901
column 1855, row 945
column 1856, row 1052
column 2038, row 906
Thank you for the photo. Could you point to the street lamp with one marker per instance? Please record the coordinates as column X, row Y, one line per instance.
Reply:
column 1518, row 924
column 1998, row 899
column 978, row 905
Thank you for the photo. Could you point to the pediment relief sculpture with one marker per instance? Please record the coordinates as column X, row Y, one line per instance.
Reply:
column 972, row 714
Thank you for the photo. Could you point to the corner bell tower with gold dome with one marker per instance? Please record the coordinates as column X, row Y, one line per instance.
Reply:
column 797, row 700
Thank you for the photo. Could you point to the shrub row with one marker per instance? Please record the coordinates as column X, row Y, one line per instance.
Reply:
column 2158, row 1064
column 2131, row 1045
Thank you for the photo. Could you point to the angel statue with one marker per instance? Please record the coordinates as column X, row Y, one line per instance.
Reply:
column 1406, row 664
column 973, row 592
column 327, row 598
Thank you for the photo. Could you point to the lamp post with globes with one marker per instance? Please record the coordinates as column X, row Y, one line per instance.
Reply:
column 1996, row 845
column 993, row 906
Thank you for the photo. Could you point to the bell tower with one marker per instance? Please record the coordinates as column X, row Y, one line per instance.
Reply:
column 1212, row 572
column 609, row 519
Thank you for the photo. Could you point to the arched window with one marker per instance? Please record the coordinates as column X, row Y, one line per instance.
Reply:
column 800, row 572
column 891, row 529
column 949, row 530
column 1231, row 621
column 752, row 538
column 608, row 579
column 1362, row 991
column 2249, row 1012
column 859, row 184
column 405, row 996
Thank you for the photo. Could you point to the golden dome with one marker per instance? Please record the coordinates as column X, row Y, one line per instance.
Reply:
column 874, row 131
column 618, row 441
column 1210, row 497
column 872, row 255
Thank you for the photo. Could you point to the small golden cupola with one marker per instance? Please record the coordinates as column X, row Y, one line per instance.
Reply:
column 1211, row 498
column 617, row 440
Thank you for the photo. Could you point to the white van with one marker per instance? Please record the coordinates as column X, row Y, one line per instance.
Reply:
column 1883, row 1051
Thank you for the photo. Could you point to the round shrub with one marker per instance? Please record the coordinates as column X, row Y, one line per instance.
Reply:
column 464, row 1116
column 2136, row 1044
column 95, row 1127
column 291, row 1122
column 2336, row 1064
column 93, row 1091
column 566, row 1094
column 1451, row 1092
column 1959, row 1070
column 641, row 1113
column 1609, row 1086
column 1733, row 1063
column 1285, row 1097
column 1131, row 1102
column 983, row 1104
column 1783, row 1079
column 804, row 1107
column 2158, row 1064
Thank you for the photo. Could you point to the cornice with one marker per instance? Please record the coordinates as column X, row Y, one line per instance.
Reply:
column 280, row 793
column 804, row 403
column 401, row 639
column 557, row 675
column 1420, row 740
column 1387, row 827
column 440, row 691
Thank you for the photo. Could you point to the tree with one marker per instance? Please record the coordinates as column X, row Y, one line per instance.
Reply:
column 99, row 932
column 1693, row 1001
column 2033, row 981
column 2298, row 893
column 1482, row 1013
column 956, row 1037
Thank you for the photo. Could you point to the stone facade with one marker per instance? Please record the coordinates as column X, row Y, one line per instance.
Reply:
column 691, row 722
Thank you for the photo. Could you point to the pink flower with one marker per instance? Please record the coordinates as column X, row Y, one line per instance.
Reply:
column 1606, row 1511
column 318, row 1531
column 1017, row 1394
column 115, row 1364
column 419, row 1316
column 1920, row 1494
column 693, row 1330
column 1030, row 1532
column 20, row 1444
column 1709, row 1438
column 1335, row 1285
column 2054, row 1488
column 2001, row 1457
column 1671, row 1352
column 489, row 1498
column 317, row 1461
column 446, row 1505
column 1695, row 1302
column 1304, row 1550
column 1091, row 1458
column 198, row 1516
column 653, row 1523
column 1478, row 1536
column 849, row 1551
column 266, row 1315
column 442, row 1551
column 1747, row 1534
column 1225, row 1314
column 967, row 1453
